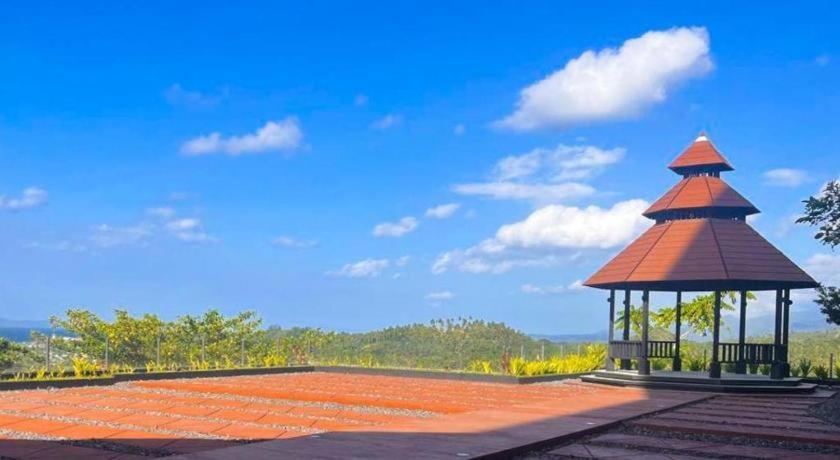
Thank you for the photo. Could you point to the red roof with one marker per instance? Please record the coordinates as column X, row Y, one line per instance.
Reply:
column 700, row 192
column 701, row 154
column 701, row 254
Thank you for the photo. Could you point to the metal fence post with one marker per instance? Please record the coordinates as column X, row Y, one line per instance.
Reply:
column 157, row 351
column 49, row 367
column 106, row 353
column 203, row 356
column 542, row 352
column 242, row 358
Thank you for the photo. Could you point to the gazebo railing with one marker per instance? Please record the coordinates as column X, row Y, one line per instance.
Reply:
column 632, row 349
column 754, row 353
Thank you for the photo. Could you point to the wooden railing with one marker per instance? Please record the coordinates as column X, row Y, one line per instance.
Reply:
column 754, row 353
column 661, row 348
column 625, row 349
column 632, row 349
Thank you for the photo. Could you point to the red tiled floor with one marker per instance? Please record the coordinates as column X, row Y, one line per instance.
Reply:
column 369, row 413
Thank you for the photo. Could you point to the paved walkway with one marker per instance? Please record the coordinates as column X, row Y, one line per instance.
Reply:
column 727, row 426
column 312, row 415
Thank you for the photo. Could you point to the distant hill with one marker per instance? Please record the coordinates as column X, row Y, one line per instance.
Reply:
column 24, row 323
column 19, row 330
column 598, row 336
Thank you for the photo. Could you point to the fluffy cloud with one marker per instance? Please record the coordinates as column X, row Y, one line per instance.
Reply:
column 31, row 197
column 440, row 296
column 189, row 230
column 443, row 211
column 163, row 212
column 107, row 236
column 536, row 192
column 368, row 268
column 825, row 268
column 613, row 83
column 549, row 236
column 177, row 95
column 290, row 242
column 573, row 227
column 545, row 175
column 396, row 229
column 274, row 136
column 576, row 285
column 785, row 177
column 388, row 121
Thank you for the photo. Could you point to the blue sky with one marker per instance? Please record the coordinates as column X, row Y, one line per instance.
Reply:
column 293, row 158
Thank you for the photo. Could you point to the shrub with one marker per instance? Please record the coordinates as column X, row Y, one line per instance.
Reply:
column 821, row 372
column 753, row 368
column 82, row 366
column 764, row 369
column 794, row 371
column 695, row 364
column 804, row 367
column 658, row 364
column 481, row 366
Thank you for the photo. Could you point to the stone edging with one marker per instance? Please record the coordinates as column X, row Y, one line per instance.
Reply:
column 9, row 385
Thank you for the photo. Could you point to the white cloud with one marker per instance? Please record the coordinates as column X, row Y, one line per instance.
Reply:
column 290, row 242
column 368, row 268
column 546, row 237
column 107, row 236
column 545, row 175
column 442, row 211
column 388, row 121
column 189, row 230
column 613, row 83
column 60, row 246
column 177, row 95
column 402, row 261
column 396, row 229
column 459, row 129
column 440, row 296
column 825, row 268
column 163, row 212
column 31, row 197
column 537, row 192
column 273, row 136
column 822, row 60
column 529, row 288
column 360, row 100
column 573, row 227
column 785, row 177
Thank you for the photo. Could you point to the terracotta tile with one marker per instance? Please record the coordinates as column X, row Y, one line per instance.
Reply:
column 85, row 432
column 145, row 420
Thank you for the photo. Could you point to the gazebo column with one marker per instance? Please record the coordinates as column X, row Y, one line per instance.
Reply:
column 741, row 364
column 676, row 365
column 714, row 366
column 644, row 363
column 625, row 333
column 786, row 333
column 610, row 364
column 776, row 369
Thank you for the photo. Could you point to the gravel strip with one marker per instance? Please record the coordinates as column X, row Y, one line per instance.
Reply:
column 828, row 410
column 290, row 402
column 119, row 426
column 93, row 444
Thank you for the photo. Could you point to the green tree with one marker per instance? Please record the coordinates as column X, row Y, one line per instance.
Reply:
column 823, row 211
column 697, row 314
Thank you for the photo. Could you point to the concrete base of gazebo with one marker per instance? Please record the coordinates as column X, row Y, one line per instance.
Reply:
column 700, row 381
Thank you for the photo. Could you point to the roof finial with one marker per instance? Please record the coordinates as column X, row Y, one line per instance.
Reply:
column 702, row 136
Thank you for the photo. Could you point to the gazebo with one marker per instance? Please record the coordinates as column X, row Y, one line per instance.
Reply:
column 700, row 242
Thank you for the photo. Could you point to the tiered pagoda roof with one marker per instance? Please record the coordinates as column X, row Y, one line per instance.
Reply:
column 701, row 240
